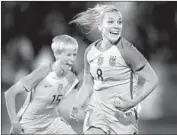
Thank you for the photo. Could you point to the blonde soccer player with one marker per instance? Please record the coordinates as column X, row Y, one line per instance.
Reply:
column 112, row 68
column 46, row 86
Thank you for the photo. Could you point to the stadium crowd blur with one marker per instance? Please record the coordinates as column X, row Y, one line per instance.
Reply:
column 27, row 29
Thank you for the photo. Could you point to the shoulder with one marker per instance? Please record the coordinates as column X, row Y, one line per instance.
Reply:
column 131, row 55
column 126, row 47
column 47, row 67
column 124, row 44
column 91, row 45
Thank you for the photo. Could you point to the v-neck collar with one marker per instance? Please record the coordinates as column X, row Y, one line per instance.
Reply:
column 107, row 49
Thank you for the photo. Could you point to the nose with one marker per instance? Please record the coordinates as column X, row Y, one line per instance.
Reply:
column 117, row 25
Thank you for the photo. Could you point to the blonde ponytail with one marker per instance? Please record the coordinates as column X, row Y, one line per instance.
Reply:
column 90, row 18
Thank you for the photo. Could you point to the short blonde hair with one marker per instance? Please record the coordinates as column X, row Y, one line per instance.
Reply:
column 90, row 18
column 61, row 42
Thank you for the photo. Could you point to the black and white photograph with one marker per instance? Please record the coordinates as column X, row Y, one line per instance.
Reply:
column 89, row 67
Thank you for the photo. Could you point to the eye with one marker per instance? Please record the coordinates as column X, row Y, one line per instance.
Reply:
column 119, row 22
column 69, row 54
column 110, row 21
column 74, row 54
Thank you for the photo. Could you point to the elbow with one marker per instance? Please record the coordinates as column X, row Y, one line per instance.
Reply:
column 7, row 94
column 13, row 90
column 154, row 81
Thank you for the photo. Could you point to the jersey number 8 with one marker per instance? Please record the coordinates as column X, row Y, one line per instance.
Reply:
column 100, row 74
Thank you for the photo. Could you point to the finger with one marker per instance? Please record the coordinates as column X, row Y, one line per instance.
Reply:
column 74, row 118
column 123, row 98
column 116, row 103
column 72, row 115
column 121, row 109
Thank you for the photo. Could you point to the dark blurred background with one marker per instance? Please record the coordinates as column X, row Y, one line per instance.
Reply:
column 27, row 29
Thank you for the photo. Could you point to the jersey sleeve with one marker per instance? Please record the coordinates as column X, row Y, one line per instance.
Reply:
column 31, row 80
column 86, row 59
column 133, row 58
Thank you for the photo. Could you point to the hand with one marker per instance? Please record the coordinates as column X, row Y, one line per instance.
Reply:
column 74, row 111
column 123, row 104
column 16, row 128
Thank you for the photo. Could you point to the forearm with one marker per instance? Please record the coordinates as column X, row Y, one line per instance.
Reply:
column 83, row 95
column 11, row 109
column 10, row 95
column 145, row 90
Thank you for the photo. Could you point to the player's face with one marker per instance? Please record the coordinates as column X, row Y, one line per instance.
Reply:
column 67, row 58
column 111, row 26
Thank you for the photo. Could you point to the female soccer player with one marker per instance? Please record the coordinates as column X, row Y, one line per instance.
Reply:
column 112, row 68
column 46, row 86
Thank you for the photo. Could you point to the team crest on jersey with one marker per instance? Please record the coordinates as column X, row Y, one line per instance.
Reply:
column 112, row 60
column 100, row 61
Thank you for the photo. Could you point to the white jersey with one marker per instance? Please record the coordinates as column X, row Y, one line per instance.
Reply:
column 39, row 113
column 46, row 95
column 113, row 71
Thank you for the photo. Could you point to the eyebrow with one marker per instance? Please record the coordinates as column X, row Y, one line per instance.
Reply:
column 113, row 18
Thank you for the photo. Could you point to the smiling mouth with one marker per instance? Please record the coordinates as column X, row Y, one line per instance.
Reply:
column 114, row 33
column 69, row 65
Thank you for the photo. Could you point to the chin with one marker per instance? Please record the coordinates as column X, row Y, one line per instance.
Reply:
column 114, row 40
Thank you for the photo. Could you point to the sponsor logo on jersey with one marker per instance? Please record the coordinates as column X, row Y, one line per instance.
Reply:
column 100, row 61
column 112, row 60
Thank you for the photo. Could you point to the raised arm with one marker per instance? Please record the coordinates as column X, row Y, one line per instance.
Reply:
column 25, row 84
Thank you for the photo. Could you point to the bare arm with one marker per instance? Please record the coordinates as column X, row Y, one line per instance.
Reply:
column 25, row 84
column 10, row 95
column 85, row 91
column 139, row 65
column 150, row 80
column 87, row 87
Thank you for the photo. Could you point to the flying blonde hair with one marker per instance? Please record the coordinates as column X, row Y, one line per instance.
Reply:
column 61, row 42
column 90, row 18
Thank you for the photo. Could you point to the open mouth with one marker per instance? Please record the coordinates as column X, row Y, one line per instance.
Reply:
column 69, row 65
column 114, row 33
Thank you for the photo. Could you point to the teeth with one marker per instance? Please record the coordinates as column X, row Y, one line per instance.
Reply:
column 114, row 32
column 69, row 64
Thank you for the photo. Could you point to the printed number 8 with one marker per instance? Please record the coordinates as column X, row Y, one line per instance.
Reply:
column 100, row 74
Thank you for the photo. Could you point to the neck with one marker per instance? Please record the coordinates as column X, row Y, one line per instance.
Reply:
column 105, row 44
column 60, row 73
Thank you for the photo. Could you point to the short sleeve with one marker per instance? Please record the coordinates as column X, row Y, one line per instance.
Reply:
column 86, row 62
column 31, row 80
column 133, row 58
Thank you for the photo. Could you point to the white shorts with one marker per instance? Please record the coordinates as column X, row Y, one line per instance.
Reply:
column 111, row 122
column 126, row 124
column 46, row 125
